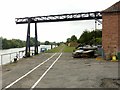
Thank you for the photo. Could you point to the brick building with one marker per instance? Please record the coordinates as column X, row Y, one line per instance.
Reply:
column 111, row 29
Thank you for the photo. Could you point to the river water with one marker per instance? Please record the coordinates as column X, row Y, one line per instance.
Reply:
column 8, row 55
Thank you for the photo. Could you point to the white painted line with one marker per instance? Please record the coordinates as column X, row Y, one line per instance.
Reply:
column 45, row 72
column 29, row 72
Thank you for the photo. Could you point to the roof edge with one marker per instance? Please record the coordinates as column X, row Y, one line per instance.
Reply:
column 114, row 8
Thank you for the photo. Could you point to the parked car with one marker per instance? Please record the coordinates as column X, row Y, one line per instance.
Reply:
column 85, row 51
column 43, row 49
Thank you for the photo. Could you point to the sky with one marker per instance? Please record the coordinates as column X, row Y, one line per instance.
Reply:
column 52, row 31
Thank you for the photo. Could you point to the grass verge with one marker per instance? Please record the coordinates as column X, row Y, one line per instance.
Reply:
column 68, row 49
column 58, row 49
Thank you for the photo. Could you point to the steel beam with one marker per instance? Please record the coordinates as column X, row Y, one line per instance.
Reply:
column 61, row 17
column 95, row 30
column 36, row 41
column 27, row 52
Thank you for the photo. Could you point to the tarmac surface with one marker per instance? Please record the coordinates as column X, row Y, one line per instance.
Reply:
column 67, row 72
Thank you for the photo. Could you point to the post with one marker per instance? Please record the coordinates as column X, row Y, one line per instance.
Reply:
column 1, row 60
column 51, row 46
column 19, row 54
column 36, row 41
column 27, row 52
column 10, row 58
column 95, row 30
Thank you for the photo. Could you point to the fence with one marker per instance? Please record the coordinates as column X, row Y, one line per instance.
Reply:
column 9, row 57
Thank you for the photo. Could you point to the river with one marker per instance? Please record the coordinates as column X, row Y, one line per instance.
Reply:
column 8, row 55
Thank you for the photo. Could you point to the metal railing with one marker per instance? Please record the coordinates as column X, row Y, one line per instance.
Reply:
column 9, row 57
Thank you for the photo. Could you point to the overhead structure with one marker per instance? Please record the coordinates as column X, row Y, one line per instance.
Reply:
column 61, row 17
column 53, row 18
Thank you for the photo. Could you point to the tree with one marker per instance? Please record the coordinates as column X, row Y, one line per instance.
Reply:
column 93, row 37
column 47, row 43
column 73, row 38
column 32, row 41
column 5, row 44
column 85, row 37
column 14, row 43
column 68, row 40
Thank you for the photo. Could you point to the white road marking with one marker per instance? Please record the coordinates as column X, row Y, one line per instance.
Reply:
column 29, row 72
column 45, row 72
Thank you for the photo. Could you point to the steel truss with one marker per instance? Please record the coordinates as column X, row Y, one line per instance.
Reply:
column 61, row 17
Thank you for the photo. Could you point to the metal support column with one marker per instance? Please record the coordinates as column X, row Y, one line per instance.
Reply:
column 27, row 52
column 36, row 41
column 95, row 30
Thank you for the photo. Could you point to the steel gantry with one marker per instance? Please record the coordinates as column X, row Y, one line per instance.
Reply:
column 53, row 18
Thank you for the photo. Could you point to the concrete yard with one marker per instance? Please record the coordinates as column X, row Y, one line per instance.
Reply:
column 67, row 72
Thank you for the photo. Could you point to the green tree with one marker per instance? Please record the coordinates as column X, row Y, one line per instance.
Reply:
column 68, row 40
column 14, row 43
column 6, row 44
column 32, row 41
column 47, row 43
column 85, row 37
column 93, row 37
column 73, row 38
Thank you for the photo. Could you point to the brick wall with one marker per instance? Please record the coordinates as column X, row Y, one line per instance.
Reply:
column 111, row 32
column 119, row 32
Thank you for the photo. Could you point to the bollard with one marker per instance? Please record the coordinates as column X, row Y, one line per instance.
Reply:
column 1, row 60
column 15, row 59
column 114, row 58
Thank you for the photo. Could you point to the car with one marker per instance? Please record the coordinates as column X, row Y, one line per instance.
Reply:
column 85, row 51
column 43, row 49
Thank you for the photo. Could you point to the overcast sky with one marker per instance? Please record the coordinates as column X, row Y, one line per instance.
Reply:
column 55, row 31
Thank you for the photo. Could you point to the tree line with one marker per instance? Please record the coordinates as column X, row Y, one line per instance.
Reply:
column 50, row 43
column 88, row 38
column 15, row 43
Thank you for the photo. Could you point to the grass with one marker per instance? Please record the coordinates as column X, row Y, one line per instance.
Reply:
column 62, row 47
column 68, row 49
